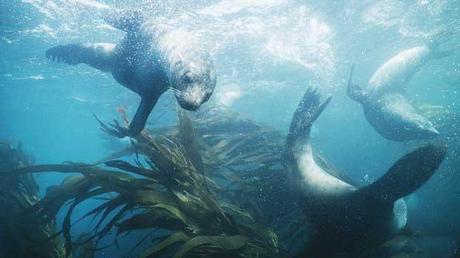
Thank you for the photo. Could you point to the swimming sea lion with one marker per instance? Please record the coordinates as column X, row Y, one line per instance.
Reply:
column 347, row 218
column 384, row 102
column 148, row 62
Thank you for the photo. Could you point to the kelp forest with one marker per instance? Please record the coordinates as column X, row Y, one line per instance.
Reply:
column 214, row 185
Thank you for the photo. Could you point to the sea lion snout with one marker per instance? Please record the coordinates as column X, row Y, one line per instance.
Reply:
column 193, row 96
column 432, row 131
column 427, row 130
column 194, row 89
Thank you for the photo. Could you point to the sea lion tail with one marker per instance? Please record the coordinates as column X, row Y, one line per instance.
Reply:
column 407, row 174
column 308, row 110
column 353, row 90
column 127, row 21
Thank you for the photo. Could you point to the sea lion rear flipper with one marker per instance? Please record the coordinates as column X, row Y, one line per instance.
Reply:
column 126, row 21
column 142, row 113
column 353, row 90
column 308, row 110
column 407, row 174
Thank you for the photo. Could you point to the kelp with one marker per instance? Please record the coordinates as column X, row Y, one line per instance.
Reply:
column 248, row 156
column 86, row 247
column 167, row 187
column 212, row 185
column 22, row 234
column 246, row 159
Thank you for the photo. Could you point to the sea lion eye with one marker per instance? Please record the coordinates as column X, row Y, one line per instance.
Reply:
column 188, row 77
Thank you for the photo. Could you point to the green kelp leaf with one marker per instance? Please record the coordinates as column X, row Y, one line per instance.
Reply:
column 189, row 139
column 119, row 154
column 225, row 243
column 112, row 222
column 81, row 197
column 272, row 237
column 178, row 237
column 84, row 247
column 150, row 220
column 126, row 166
column 62, row 168
column 106, row 208
column 114, row 180
column 192, row 204
column 174, row 211
column 56, row 196
column 237, row 213
column 151, row 197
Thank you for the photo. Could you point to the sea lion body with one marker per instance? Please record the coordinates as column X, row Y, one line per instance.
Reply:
column 395, row 73
column 137, row 66
column 384, row 98
column 393, row 117
column 149, row 60
column 348, row 219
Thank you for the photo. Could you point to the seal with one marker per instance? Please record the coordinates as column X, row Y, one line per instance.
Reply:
column 384, row 102
column 148, row 62
column 346, row 218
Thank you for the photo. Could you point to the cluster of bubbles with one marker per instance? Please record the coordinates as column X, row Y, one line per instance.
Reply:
column 259, row 47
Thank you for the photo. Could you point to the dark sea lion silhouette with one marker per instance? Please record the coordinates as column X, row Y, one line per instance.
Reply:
column 346, row 218
column 148, row 62
column 384, row 102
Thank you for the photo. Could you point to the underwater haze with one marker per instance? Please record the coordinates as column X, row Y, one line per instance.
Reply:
column 266, row 55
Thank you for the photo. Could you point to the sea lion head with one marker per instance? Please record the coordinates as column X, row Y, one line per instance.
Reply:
column 194, row 84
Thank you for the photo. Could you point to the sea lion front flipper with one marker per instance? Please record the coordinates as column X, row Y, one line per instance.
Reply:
column 407, row 174
column 69, row 54
column 142, row 113
column 96, row 55
column 126, row 21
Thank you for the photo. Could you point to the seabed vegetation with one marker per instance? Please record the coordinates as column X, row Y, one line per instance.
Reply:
column 209, row 187
column 24, row 234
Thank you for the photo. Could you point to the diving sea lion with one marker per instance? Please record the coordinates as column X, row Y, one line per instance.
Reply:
column 349, row 219
column 384, row 102
column 148, row 62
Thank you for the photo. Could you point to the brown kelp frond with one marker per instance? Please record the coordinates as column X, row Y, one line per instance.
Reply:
column 86, row 247
column 208, row 245
column 27, row 235
column 170, row 190
column 174, row 239
column 224, row 140
column 190, row 140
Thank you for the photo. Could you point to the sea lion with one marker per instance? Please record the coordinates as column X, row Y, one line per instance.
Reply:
column 346, row 218
column 148, row 62
column 384, row 102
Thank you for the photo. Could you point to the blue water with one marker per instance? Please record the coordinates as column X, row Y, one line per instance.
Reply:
column 266, row 54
